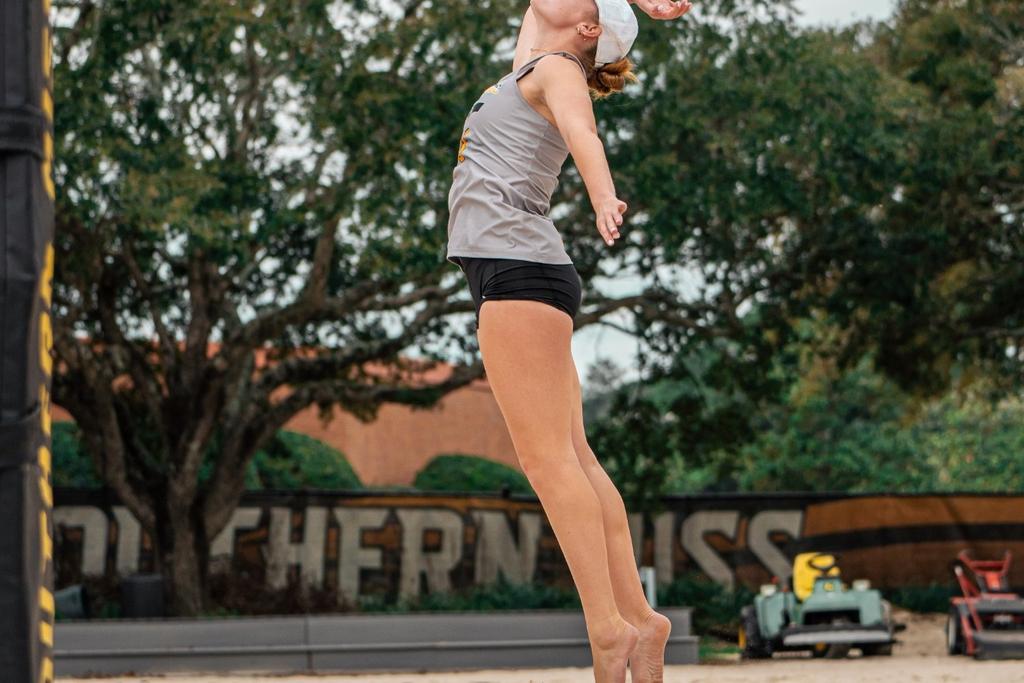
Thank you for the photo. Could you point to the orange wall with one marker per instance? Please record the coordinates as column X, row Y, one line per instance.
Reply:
column 392, row 449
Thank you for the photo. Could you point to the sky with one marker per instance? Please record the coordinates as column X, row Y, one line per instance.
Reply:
column 843, row 11
column 596, row 341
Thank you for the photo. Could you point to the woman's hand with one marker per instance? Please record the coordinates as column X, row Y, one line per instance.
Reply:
column 609, row 217
column 663, row 9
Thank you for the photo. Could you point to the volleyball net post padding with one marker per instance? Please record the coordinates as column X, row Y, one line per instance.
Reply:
column 26, row 342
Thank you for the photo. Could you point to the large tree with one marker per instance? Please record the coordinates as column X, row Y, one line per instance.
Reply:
column 928, row 278
column 863, row 183
column 242, row 181
column 251, row 206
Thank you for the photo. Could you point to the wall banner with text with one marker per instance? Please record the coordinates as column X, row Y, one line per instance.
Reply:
column 357, row 544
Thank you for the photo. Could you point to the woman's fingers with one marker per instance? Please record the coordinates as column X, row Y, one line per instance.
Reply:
column 675, row 9
column 608, row 225
column 605, row 225
column 608, row 217
column 666, row 9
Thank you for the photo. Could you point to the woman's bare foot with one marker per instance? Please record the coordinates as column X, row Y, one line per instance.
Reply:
column 647, row 661
column 611, row 645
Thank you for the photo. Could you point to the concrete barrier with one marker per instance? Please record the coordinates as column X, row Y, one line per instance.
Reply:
column 341, row 643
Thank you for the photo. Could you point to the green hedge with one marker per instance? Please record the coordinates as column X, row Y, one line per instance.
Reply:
column 716, row 609
column 470, row 473
column 71, row 465
column 500, row 595
column 296, row 461
column 933, row 598
column 290, row 461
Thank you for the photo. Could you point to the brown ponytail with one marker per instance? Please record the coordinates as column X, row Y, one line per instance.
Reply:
column 607, row 78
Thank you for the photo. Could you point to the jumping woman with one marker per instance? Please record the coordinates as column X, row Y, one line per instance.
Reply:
column 526, row 292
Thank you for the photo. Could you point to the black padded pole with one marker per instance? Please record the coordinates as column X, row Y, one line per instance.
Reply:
column 26, row 343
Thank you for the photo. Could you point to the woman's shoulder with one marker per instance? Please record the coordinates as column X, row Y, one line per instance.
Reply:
column 561, row 66
column 561, row 62
column 559, row 57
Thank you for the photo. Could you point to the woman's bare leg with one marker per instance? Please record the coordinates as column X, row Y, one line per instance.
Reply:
column 647, row 662
column 527, row 355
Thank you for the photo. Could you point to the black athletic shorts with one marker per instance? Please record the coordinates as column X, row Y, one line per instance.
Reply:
column 503, row 278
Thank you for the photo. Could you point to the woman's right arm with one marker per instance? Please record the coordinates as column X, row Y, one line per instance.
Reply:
column 567, row 95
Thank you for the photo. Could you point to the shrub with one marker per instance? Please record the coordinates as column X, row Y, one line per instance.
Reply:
column 470, row 473
column 500, row 595
column 71, row 465
column 931, row 598
column 716, row 609
column 290, row 461
column 296, row 461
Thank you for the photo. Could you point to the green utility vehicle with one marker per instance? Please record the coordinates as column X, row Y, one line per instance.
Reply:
column 820, row 613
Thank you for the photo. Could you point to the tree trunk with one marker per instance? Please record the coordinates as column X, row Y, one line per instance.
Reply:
column 183, row 555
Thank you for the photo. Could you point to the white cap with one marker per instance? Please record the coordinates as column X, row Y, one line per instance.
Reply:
column 618, row 30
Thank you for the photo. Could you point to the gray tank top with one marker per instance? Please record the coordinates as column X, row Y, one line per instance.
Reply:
column 507, row 169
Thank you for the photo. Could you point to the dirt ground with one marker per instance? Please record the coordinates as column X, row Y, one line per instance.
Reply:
column 920, row 656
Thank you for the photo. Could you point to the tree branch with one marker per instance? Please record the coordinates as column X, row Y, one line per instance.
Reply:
column 96, row 417
column 297, row 370
column 142, row 285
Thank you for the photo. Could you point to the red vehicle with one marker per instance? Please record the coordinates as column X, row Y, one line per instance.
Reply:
column 988, row 621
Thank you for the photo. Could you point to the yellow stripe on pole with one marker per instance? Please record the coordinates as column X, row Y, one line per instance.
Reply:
column 47, row 55
column 46, row 671
column 47, row 166
column 46, row 281
column 46, row 342
column 46, row 492
column 46, row 633
column 44, row 460
column 46, row 600
column 47, row 102
column 46, row 412
column 46, row 541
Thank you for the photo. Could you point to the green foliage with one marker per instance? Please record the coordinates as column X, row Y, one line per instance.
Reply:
column 929, row 279
column 858, row 433
column 716, row 608
column 635, row 444
column 290, row 461
column 862, row 183
column 71, row 466
column 297, row 461
column 501, row 595
column 660, row 434
column 973, row 444
column 933, row 598
column 712, row 648
column 818, row 426
column 470, row 473
column 842, row 436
